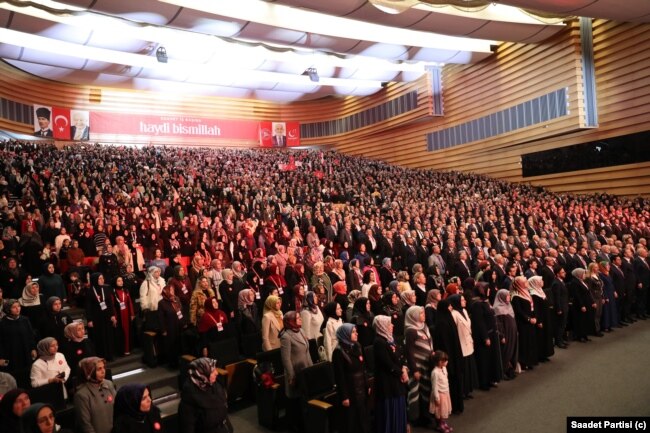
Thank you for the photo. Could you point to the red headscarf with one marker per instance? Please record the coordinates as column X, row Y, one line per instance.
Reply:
column 211, row 317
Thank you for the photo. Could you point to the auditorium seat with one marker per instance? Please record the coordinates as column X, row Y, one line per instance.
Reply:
column 51, row 393
column 238, row 370
column 271, row 401
column 319, row 397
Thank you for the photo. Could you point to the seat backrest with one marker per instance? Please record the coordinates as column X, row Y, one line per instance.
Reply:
column 51, row 393
column 274, row 357
column 251, row 344
column 317, row 380
column 226, row 352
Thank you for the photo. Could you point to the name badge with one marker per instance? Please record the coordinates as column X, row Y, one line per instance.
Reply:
column 184, row 289
column 179, row 313
column 280, row 291
column 261, row 281
column 122, row 306
column 219, row 326
column 102, row 305
column 257, row 295
column 305, row 287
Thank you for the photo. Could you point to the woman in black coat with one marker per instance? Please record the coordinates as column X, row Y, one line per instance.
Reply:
column 362, row 317
column 525, row 315
column 134, row 412
column 583, row 306
column 391, row 376
column 351, row 382
column 172, row 324
column 446, row 338
column 100, row 313
column 204, row 404
column 75, row 346
column 55, row 320
column 486, row 341
column 17, row 343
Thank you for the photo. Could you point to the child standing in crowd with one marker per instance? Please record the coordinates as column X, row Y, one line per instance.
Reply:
column 440, row 405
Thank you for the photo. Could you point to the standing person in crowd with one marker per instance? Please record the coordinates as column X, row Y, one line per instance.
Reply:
column 272, row 323
column 32, row 303
column 150, row 296
column 446, row 339
column 172, row 323
column 40, row 418
column 418, row 347
column 507, row 331
column 125, row 314
column 248, row 319
column 214, row 325
column 311, row 317
column 229, row 293
column 464, row 326
column 183, row 288
column 391, row 308
column 51, row 365
column 202, row 291
column 349, row 311
column 351, row 382
column 295, row 358
column 544, row 311
column 55, row 320
column 101, row 317
column 609, row 318
column 486, row 340
column 391, row 376
column 561, row 299
column 584, row 306
column 332, row 321
column 204, row 403
column 51, row 283
column 525, row 315
column 94, row 398
column 17, row 345
column 362, row 318
column 431, row 309
column 134, row 411
column 12, row 406
column 595, row 284
column 75, row 346
column 440, row 406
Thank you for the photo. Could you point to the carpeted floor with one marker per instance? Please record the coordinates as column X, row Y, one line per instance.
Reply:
column 608, row 377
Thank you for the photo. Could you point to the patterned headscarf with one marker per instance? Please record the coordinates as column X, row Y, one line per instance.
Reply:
column 381, row 325
column 69, row 332
column 200, row 370
column 536, row 286
column 502, row 306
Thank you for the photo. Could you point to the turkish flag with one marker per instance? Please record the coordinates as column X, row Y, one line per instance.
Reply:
column 61, row 123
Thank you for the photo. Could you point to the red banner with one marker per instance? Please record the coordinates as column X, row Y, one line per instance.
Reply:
column 279, row 134
column 61, row 123
column 143, row 125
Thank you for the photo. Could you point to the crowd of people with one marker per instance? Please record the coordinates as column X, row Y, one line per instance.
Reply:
column 453, row 281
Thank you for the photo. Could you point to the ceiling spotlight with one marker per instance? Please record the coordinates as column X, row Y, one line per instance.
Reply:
column 161, row 54
column 312, row 73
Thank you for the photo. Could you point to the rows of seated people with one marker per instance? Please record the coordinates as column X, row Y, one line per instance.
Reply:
column 177, row 250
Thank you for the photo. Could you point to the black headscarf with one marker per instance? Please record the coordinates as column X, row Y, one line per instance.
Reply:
column 127, row 401
column 329, row 311
column 29, row 420
column 361, row 311
column 200, row 370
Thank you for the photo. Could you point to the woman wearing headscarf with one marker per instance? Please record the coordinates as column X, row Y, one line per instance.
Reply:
column 272, row 323
column 40, row 418
column 17, row 345
column 294, row 299
column 32, row 303
column 543, row 331
column 51, row 365
column 486, row 341
column 51, row 283
column 204, row 404
column 526, row 317
column 134, row 412
column 248, row 320
column 408, row 298
column 12, row 406
column 446, row 339
column 125, row 314
column 340, row 290
column 197, row 267
column 55, row 320
column 172, row 323
column 349, row 311
column 202, row 291
column 94, row 398
column 351, row 382
column 419, row 348
column 431, row 308
column 276, row 282
column 464, row 325
column 507, row 332
column 609, row 319
column 214, row 325
column 595, row 284
column 391, row 376
column 295, row 358
column 150, row 296
column 391, row 308
column 374, row 296
column 182, row 287
column 362, row 318
column 101, row 317
column 584, row 306
column 311, row 317
column 229, row 293
column 75, row 346
column 320, row 278
column 332, row 321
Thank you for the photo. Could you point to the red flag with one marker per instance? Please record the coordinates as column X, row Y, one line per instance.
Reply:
column 61, row 123
column 319, row 174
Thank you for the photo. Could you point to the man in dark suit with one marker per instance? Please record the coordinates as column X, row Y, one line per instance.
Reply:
column 279, row 138
column 642, row 269
column 618, row 278
column 547, row 272
column 43, row 116
column 627, row 267
column 561, row 301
